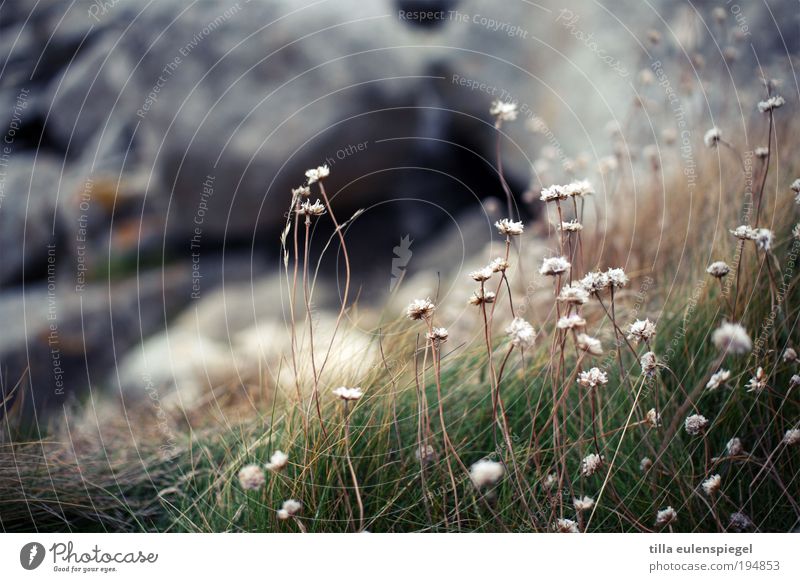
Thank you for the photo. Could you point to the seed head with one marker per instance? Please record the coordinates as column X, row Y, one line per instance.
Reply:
column 645, row 464
column 796, row 186
column 792, row 437
column 309, row 209
column 426, row 454
column 438, row 335
column 745, row 232
column 578, row 189
column 573, row 294
column 481, row 296
column 420, row 309
column 764, row 239
column 712, row 484
column 503, row 111
column 553, row 193
column 521, row 333
column 771, row 104
column 734, row 447
column 348, row 394
column 642, row 330
column 593, row 378
column 251, row 477
column 316, row 174
column 666, row 516
column 485, row 473
column 732, row 338
column 590, row 345
column 740, row 522
column 582, row 504
column 498, row 265
column 290, row 508
column 653, row 418
column 761, row 152
column 789, row 355
column 616, row 277
column 277, row 462
column 649, row 363
column 712, row 137
column 595, row 282
column 573, row 321
column 591, row 464
column 696, row 424
column 718, row 379
column 718, row 269
column 554, row 266
column 508, row 227
column 758, row 382
column 563, row 525
column 301, row 191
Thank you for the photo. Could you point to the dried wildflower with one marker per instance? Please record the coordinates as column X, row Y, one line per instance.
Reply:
column 277, row 462
column 712, row 484
column 481, row 275
column 696, row 424
column 792, row 437
column 590, row 464
column 740, row 522
column 734, row 447
column 771, row 104
column 616, row 277
column 573, row 321
column 666, row 516
column 582, row 504
column 744, row 232
column 796, row 228
column 550, row 481
column 553, row 193
column 290, row 508
column 570, row 226
column 642, row 330
column 590, row 345
column 498, row 265
column 508, row 227
column 301, row 192
column 426, row 454
column 593, row 378
column 251, row 477
column 607, row 164
column 718, row 379
column 789, row 355
column 794, row 381
column 712, row 137
column 420, row 309
column 554, row 266
column 481, row 296
column 573, row 294
column 758, row 382
column 578, row 189
column 761, row 152
column 732, row 338
column 348, row 394
column 437, row 336
column 653, row 418
column 595, row 282
column 645, row 464
column 503, row 111
column 564, row 525
column 521, row 333
column 795, row 186
column 486, row 472
column 649, row 363
column 309, row 209
column 718, row 269
column 764, row 239
column 316, row 174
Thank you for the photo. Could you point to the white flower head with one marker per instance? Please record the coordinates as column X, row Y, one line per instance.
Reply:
column 789, row 355
column 277, row 462
column 718, row 379
column 744, row 232
column 570, row 226
column 771, row 104
column 696, row 424
column 348, row 394
column 732, row 338
column 521, row 333
column 579, row 189
column 438, row 335
column 718, row 269
column 573, row 321
column 590, row 464
column 316, row 174
column 642, row 330
column 712, row 137
column 563, row 525
column 712, row 484
column 734, row 447
column 792, row 437
column 426, row 454
column 590, row 345
column 485, row 473
column 309, row 209
column 616, row 277
column 498, row 265
column 553, row 266
column 740, row 522
column 764, row 239
column 483, row 274
column 796, row 228
column 553, row 193
column 761, row 152
column 290, row 508
column 758, row 382
column 503, row 110
column 301, row 191
column 666, row 516
column 481, row 296
column 653, row 418
column 508, row 227
column 595, row 282
column 251, row 477
column 420, row 309
column 649, row 363
column 582, row 504
column 593, row 378
column 573, row 294
column 645, row 464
